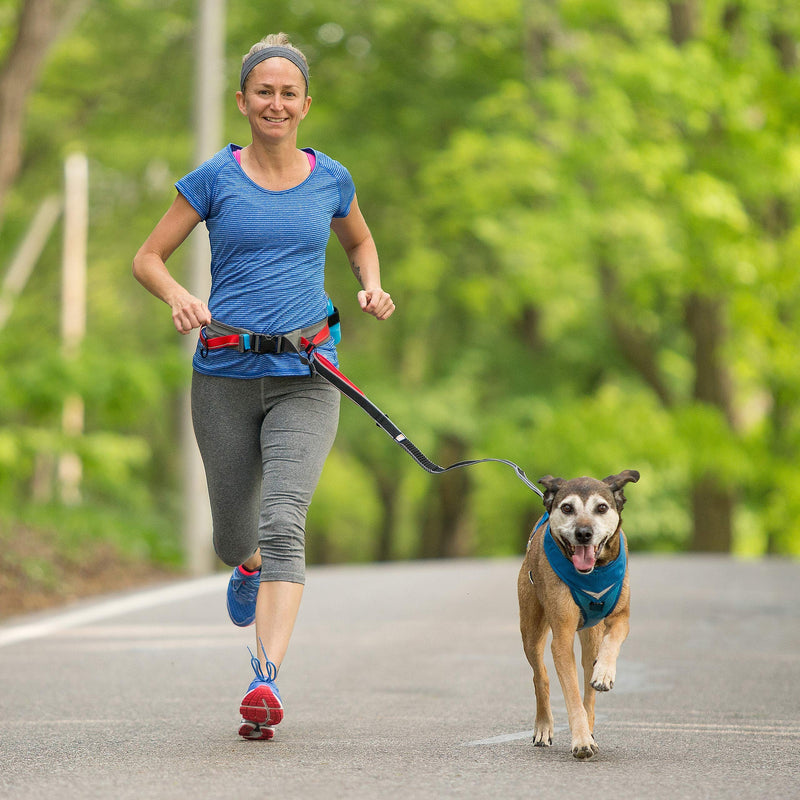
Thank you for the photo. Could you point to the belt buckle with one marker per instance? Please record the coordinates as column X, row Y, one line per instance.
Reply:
column 261, row 343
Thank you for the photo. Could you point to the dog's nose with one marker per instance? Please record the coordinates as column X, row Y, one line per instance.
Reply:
column 583, row 533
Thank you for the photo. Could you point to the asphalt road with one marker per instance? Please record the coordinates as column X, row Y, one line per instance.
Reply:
column 407, row 681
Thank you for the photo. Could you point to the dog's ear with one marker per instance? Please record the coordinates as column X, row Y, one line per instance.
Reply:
column 617, row 482
column 551, row 486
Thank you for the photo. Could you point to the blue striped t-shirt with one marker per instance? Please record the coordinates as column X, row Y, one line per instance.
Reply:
column 267, row 255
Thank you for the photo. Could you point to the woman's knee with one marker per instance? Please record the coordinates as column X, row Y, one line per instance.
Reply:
column 282, row 537
column 232, row 553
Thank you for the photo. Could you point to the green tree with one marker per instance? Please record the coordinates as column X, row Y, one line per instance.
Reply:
column 587, row 212
column 38, row 24
column 617, row 211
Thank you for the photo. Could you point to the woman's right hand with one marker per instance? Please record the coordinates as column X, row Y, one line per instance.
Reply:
column 188, row 313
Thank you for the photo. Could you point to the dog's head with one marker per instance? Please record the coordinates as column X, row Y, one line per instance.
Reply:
column 585, row 514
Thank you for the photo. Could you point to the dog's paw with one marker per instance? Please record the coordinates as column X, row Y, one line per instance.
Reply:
column 603, row 677
column 583, row 750
column 543, row 736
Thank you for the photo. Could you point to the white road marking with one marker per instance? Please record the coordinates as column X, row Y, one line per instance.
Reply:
column 111, row 608
column 775, row 728
column 512, row 737
column 772, row 729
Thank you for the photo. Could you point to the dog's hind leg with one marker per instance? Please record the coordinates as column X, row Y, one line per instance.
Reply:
column 534, row 638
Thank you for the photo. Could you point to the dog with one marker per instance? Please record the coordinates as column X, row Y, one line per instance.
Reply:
column 575, row 578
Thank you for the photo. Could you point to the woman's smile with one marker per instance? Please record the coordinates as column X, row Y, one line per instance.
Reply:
column 275, row 96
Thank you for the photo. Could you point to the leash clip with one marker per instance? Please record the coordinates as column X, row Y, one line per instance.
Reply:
column 306, row 353
column 203, row 343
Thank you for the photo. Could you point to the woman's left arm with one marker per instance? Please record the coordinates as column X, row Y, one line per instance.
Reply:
column 354, row 236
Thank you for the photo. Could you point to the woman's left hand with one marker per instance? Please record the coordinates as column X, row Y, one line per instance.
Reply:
column 376, row 302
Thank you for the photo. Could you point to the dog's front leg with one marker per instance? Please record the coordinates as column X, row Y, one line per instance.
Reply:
column 590, row 645
column 583, row 743
column 605, row 668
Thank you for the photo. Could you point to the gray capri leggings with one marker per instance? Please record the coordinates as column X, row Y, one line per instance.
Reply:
column 264, row 442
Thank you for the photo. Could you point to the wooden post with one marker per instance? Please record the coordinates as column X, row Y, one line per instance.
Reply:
column 209, row 83
column 73, row 310
column 27, row 255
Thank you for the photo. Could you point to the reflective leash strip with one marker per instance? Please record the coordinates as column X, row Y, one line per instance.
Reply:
column 218, row 342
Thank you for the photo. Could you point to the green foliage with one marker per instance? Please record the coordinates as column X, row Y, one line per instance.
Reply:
column 549, row 186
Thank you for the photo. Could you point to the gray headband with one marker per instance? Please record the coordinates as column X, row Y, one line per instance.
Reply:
column 272, row 52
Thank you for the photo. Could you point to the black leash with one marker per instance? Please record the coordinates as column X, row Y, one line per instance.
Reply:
column 320, row 365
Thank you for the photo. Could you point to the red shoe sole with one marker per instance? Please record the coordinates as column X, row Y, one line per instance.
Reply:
column 254, row 732
column 261, row 706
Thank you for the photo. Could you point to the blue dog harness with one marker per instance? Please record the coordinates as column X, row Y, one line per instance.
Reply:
column 595, row 594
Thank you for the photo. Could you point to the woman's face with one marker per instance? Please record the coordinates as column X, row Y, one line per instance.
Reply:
column 274, row 98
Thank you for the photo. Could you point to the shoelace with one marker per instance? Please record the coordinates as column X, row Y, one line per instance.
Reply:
column 272, row 670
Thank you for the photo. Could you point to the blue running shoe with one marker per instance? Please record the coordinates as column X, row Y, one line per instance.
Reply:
column 242, row 593
column 261, row 707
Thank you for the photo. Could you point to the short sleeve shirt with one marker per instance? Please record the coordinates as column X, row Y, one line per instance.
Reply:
column 267, row 255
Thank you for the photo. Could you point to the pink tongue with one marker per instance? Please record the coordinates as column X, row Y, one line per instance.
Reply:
column 584, row 557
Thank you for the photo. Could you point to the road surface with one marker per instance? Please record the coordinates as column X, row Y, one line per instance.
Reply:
column 407, row 681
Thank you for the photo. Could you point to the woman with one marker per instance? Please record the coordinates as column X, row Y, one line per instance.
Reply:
column 263, row 423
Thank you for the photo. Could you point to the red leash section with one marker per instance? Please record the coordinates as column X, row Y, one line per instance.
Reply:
column 305, row 342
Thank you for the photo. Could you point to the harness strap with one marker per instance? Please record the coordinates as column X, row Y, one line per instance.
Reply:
column 304, row 342
column 595, row 594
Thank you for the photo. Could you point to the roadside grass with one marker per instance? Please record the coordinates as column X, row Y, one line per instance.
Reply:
column 54, row 555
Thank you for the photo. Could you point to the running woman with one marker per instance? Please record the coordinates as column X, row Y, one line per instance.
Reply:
column 263, row 423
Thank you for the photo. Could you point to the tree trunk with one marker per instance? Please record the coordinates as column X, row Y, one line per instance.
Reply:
column 540, row 24
column 445, row 527
column 387, row 489
column 634, row 344
column 786, row 47
column 779, row 224
column 783, row 446
column 682, row 20
column 712, row 515
column 39, row 24
column 705, row 323
column 712, row 503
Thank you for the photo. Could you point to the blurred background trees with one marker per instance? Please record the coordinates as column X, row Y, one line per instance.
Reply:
column 588, row 215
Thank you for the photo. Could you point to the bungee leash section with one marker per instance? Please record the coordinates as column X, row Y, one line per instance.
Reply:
column 304, row 342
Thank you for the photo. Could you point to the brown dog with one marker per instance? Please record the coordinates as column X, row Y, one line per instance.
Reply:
column 575, row 578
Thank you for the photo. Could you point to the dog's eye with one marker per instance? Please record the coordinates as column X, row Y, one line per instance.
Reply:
column 602, row 508
column 566, row 508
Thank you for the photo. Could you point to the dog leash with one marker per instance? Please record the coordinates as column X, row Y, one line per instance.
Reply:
column 244, row 340
column 321, row 366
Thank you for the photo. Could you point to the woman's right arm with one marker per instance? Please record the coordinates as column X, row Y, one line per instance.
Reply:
column 149, row 266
